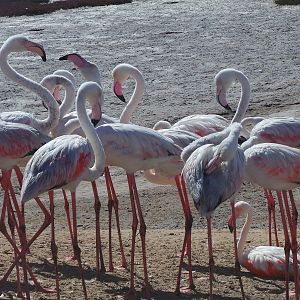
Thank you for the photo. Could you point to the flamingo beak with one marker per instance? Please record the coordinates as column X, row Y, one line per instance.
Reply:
column 95, row 122
column 56, row 95
column 37, row 49
column 118, row 90
column 75, row 58
column 221, row 98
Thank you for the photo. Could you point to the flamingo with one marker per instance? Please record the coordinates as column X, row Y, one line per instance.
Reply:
column 134, row 148
column 205, row 124
column 277, row 167
column 214, row 173
column 17, row 143
column 262, row 261
column 66, row 161
column 120, row 74
column 19, row 43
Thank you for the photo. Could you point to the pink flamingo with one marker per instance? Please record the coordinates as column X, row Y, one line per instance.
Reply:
column 120, row 74
column 66, row 161
column 277, row 167
column 214, row 173
column 263, row 261
column 205, row 124
column 17, row 143
column 134, row 148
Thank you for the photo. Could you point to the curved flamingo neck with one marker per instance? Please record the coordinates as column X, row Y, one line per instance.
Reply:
column 244, row 99
column 244, row 232
column 97, row 169
column 53, row 109
column 135, row 98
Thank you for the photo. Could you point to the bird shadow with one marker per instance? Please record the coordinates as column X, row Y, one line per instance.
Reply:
column 271, row 288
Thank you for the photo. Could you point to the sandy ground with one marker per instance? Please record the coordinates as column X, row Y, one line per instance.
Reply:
column 179, row 46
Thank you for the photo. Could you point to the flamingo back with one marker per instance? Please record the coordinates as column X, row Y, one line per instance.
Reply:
column 60, row 163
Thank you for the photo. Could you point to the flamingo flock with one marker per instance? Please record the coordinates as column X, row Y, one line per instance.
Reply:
column 203, row 155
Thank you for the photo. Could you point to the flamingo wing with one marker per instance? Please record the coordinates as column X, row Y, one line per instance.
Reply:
column 59, row 163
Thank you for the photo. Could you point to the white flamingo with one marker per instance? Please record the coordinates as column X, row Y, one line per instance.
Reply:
column 277, row 167
column 263, row 261
column 66, row 161
column 214, row 173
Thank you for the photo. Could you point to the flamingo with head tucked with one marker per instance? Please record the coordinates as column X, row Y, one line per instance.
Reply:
column 67, row 160
column 214, row 173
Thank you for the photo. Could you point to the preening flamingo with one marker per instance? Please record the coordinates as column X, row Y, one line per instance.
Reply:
column 277, row 167
column 66, row 161
column 263, row 261
column 213, row 174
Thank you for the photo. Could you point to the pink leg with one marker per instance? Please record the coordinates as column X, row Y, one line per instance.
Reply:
column 142, row 235
column 99, row 256
column 211, row 258
column 271, row 210
column 115, row 203
column 53, row 245
column 76, row 248
column 237, row 264
column 12, row 225
column 187, row 237
column 110, row 206
column 47, row 221
column 292, row 224
column 287, row 245
column 131, row 293
column 6, row 183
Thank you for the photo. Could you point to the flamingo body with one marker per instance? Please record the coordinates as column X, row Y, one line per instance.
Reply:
column 133, row 147
column 17, row 143
column 60, row 163
column 273, row 166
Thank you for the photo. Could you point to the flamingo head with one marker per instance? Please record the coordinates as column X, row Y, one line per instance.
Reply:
column 224, row 80
column 239, row 209
column 120, row 74
column 88, row 69
column 19, row 43
column 95, row 99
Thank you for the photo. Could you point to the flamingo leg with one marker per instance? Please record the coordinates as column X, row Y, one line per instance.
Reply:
column 287, row 244
column 67, row 211
column 142, row 235
column 76, row 248
column 211, row 262
column 271, row 211
column 291, row 220
column 20, row 254
column 131, row 293
column 237, row 263
column 53, row 244
column 115, row 204
column 187, row 237
column 110, row 206
column 99, row 255
column 12, row 225
column 6, row 184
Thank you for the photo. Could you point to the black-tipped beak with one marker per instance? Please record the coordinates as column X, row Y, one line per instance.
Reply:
column 230, row 228
column 241, row 140
column 65, row 57
column 44, row 57
column 122, row 98
column 95, row 122
column 227, row 107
